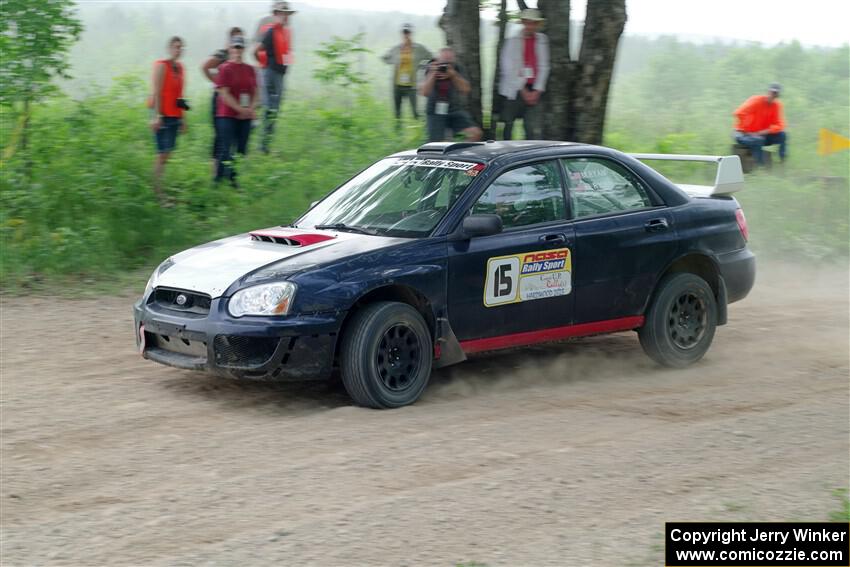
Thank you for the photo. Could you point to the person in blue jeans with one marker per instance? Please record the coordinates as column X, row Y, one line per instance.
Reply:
column 210, row 69
column 237, row 100
column 760, row 122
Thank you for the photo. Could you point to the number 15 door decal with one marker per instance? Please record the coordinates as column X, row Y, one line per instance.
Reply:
column 527, row 276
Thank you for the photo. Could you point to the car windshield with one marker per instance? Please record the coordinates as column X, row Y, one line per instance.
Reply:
column 403, row 197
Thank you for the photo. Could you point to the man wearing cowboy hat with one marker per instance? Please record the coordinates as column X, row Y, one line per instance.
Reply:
column 274, row 53
column 524, row 64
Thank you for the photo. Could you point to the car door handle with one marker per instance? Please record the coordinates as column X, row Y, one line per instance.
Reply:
column 656, row 225
column 553, row 239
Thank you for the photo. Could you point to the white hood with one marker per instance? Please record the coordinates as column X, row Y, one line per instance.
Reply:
column 211, row 268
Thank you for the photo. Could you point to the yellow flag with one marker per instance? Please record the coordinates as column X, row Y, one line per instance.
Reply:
column 830, row 142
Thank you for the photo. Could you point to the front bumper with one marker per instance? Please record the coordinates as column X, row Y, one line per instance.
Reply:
column 738, row 269
column 297, row 347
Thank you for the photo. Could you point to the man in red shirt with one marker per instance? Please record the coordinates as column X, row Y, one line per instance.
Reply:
column 236, row 83
column 760, row 123
column 524, row 69
column 209, row 69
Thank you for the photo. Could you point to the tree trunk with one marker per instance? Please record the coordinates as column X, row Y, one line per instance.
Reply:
column 603, row 27
column 559, row 87
column 496, row 98
column 461, row 22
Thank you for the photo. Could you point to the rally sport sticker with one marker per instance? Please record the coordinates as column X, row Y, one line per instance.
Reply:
column 527, row 276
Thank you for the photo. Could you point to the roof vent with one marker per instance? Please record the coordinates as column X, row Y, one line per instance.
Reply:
column 446, row 147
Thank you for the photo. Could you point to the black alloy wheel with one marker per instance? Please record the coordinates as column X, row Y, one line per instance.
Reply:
column 399, row 357
column 679, row 325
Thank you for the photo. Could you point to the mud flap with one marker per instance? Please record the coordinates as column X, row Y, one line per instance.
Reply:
column 722, row 310
column 449, row 346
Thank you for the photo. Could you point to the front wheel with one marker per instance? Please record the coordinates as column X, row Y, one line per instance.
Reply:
column 386, row 355
column 681, row 321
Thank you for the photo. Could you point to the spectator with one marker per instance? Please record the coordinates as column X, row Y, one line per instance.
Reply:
column 760, row 123
column 236, row 108
column 209, row 69
column 274, row 53
column 405, row 59
column 444, row 87
column 167, row 104
column 524, row 64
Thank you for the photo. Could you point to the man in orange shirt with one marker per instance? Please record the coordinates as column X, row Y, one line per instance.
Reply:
column 167, row 104
column 274, row 53
column 760, row 123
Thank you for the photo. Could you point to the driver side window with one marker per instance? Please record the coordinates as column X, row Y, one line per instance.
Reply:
column 524, row 196
column 599, row 187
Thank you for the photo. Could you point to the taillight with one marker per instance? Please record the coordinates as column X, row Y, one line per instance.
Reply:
column 742, row 224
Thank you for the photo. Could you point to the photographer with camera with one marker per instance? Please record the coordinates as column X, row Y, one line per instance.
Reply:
column 236, row 83
column 168, row 105
column 444, row 87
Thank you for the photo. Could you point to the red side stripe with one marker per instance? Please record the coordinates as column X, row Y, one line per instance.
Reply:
column 553, row 334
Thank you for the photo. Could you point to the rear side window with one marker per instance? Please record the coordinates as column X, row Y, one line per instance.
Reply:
column 599, row 187
column 524, row 196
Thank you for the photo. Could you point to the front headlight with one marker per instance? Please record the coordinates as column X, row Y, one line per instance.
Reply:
column 267, row 299
column 155, row 275
column 149, row 286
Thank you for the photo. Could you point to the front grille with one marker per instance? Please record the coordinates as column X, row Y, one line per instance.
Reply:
column 178, row 345
column 188, row 302
column 234, row 350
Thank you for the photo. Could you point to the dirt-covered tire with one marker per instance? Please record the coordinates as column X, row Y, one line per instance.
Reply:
column 385, row 355
column 681, row 321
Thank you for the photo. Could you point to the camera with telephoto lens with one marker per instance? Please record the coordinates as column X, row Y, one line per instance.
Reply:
column 182, row 103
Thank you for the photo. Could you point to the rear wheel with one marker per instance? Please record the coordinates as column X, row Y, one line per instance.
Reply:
column 681, row 321
column 385, row 356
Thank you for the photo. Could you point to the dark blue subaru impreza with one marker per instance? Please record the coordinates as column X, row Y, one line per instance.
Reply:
column 457, row 248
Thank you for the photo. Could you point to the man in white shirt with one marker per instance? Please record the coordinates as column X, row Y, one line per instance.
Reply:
column 524, row 64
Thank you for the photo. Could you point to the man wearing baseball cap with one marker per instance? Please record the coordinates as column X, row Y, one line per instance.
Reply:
column 236, row 83
column 274, row 53
column 405, row 59
column 524, row 66
column 760, row 123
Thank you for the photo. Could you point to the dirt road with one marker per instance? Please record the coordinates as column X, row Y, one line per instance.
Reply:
column 571, row 454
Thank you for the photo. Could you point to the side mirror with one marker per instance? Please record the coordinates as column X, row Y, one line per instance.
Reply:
column 481, row 225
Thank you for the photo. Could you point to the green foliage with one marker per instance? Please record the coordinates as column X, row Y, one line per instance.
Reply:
column 843, row 513
column 338, row 58
column 86, row 208
column 34, row 41
column 681, row 99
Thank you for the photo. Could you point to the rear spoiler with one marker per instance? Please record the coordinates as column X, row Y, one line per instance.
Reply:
column 729, row 179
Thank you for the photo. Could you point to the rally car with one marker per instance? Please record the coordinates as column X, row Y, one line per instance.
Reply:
column 433, row 254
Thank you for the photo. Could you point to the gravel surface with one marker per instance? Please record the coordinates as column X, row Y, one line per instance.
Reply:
column 566, row 454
